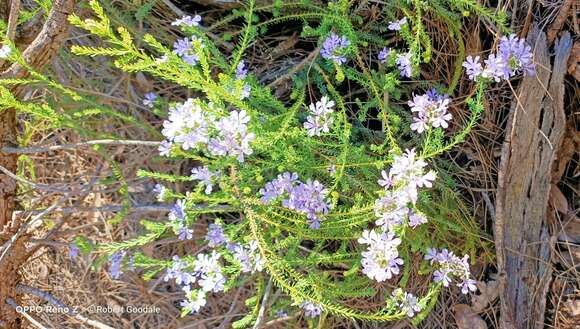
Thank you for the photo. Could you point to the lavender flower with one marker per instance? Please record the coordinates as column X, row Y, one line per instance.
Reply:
column 241, row 70
column 149, row 99
column 494, row 68
column 320, row 118
column 430, row 111
column 449, row 267
column 384, row 55
column 182, row 46
column 416, row 219
column 116, row 260
column 184, row 49
column 404, row 64
column 473, row 67
column 410, row 305
column 381, row 259
column 178, row 271
column 333, row 48
column 73, row 251
column 195, row 301
column 309, row 198
column 386, row 181
column 408, row 172
column 311, row 309
column 396, row 25
column 517, row 56
column 248, row 256
column 188, row 21
column 215, row 235
column 187, row 124
column 160, row 192
column 391, row 210
column 205, row 176
column 165, row 148
column 177, row 212
column 185, row 233
column 283, row 183
column 234, row 138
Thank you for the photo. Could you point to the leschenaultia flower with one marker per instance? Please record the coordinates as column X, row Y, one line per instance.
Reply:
column 334, row 47
column 308, row 198
column 320, row 117
column 514, row 56
column 430, row 110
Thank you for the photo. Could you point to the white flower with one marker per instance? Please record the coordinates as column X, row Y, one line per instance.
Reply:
column 5, row 51
column 205, row 176
column 320, row 119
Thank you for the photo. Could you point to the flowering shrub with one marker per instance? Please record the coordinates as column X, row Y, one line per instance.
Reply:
column 328, row 209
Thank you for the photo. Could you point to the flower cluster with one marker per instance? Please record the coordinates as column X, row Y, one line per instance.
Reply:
column 205, row 177
column 334, row 47
column 430, row 111
column 178, row 221
column 311, row 310
column 394, row 209
column 308, row 198
column 407, row 302
column 404, row 64
column 514, row 56
column 381, row 260
column 320, row 117
column 149, row 99
column 185, row 48
column 187, row 21
column 384, row 55
column 194, row 128
column 397, row 25
column 116, row 261
column 451, row 266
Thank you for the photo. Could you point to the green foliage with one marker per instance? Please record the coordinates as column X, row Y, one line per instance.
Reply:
column 317, row 265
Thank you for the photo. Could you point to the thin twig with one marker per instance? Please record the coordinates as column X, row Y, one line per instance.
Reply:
column 41, row 149
column 262, row 310
column 295, row 69
column 133, row 208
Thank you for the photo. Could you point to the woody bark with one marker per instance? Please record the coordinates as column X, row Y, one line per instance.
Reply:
column 36, row 54
column 534, row 132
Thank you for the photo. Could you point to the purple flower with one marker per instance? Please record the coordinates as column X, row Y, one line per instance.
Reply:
column 517, row 56
column 116, row 260
column 333, row 48
column 431, row 255
column 396, row 25
column 384, row 55
column 205, row 176
column 404, row 64
column 281, row 314
column 430, row 111
column 165, row 148
column 149, row 99
column 185, row 233
column 320, row 118
column 386, row 181
column 190, row 59
column 410, row 304
column 381, row 259
column 442, row 276
column 468, row 285
column 178, row 211
column 187, row 20
column 416, row 219
column 215, row 236
column 494, row 68
column 73, row 251
column 311, row 310
column 473, row 67
column 241, row 70
column 182, row 46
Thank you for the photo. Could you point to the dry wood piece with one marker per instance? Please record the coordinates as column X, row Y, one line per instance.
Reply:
column 534, row 131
